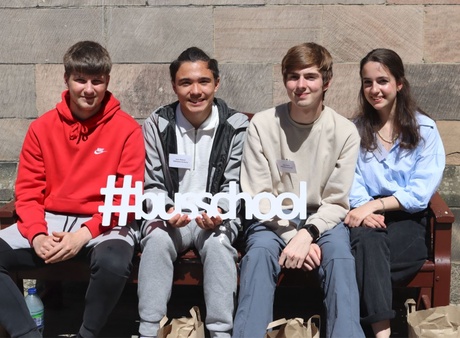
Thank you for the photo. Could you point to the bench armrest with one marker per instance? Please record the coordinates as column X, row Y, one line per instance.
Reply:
column 7, row 215
column 441, row 220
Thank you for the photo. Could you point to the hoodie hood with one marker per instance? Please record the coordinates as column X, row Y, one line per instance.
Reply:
column 80, row 130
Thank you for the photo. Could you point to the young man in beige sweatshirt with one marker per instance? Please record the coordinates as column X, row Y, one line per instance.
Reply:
column 300, row 141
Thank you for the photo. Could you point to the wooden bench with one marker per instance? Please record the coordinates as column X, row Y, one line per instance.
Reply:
column 433, row 279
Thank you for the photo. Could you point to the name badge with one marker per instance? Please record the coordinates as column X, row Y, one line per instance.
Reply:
column 286, row 166
column 180, row 161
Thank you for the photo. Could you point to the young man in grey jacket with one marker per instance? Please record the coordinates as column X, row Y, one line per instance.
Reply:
column 193, row 145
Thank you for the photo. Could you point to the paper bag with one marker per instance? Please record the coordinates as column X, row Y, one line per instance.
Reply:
column 441, row 321
column 183, row 327
column 293, row 328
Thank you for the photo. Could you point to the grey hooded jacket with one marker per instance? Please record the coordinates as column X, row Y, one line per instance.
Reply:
column 224, row 163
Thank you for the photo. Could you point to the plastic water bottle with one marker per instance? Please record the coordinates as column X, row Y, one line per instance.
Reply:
column 36, row 308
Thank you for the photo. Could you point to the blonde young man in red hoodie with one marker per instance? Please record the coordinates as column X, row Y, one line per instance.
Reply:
column 65, row 160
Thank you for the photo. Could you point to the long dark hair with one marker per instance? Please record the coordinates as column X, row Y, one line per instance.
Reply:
column 405, row 122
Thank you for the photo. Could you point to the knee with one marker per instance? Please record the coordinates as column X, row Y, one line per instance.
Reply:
column 114, row 256
column 157, row 241
column 262, row 259
column 367, row 240
column 218, row 245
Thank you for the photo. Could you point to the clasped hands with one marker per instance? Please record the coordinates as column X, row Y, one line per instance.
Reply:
column 60, row 246
column 301, row 253
column 364, row 216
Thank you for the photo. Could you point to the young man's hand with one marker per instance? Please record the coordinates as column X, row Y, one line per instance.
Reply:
column 42, row 244
column 178, row 221
column 68, row 245
column 208, row 223
column 313, row 259
column 295, row 253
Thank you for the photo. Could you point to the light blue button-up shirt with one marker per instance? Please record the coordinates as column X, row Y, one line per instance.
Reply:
column 411, row 176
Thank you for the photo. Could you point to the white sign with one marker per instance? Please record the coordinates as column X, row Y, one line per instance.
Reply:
column 194, row 202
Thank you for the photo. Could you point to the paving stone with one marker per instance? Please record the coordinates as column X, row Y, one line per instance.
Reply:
column 436, row 88
column 350, row 32
column 442, row 34
column 342, row 96
column 141, row 88
column 49, row 84
column 450, row 134
column 263, row 34
column 88, row 3
column 456, row 238
column 7, row 179
column 17, row 91
column 246, row 87
column 18, row 3
column 449, row 187
column 325, row 2
column 424, row 2
column 149, row 35
column 46, row 33
column 11, row 138
column 204, row 2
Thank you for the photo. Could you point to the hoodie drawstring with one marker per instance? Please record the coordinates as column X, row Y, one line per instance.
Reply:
column 79, row 132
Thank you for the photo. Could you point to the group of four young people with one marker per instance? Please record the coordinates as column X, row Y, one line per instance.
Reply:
column 198, row 144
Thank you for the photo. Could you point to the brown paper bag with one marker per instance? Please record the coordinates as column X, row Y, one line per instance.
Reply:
column 293, row 328
column 441, row 321
column 183, row 327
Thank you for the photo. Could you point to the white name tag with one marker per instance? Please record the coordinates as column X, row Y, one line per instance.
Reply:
column 286, row 166
column 180, row 161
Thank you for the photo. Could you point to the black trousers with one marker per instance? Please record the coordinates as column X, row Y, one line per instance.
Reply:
column 387, row 257
column 110, row 264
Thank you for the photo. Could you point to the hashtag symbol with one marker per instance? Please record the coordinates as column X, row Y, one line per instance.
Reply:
column 125, row 193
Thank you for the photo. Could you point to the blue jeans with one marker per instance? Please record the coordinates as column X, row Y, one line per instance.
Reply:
column 259, row 275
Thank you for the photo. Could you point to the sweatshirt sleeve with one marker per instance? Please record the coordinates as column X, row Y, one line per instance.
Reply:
column 335, row 195
column 255, row 169
column 30, row 188
column 131, row 163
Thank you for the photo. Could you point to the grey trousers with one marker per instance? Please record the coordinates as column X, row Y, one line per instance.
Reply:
column 110, row 258
column 259, row 274
column 160, row 245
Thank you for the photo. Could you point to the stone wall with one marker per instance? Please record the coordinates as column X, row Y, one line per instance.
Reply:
column 248, row 37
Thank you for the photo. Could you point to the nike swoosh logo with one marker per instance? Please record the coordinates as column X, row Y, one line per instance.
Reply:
column 99, row 151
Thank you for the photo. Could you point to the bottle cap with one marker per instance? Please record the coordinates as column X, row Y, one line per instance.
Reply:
column 32, row 291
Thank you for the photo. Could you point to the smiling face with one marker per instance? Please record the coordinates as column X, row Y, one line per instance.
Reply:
column 195, row 86
column 379, row 87
column 305, row 89
column 86, row 93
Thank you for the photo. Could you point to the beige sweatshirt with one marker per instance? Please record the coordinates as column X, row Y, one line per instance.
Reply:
column 324, row 154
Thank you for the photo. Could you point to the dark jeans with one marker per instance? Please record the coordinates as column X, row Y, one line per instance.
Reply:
column 387, row 257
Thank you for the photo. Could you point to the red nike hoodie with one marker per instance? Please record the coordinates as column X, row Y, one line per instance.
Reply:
column 65, row 162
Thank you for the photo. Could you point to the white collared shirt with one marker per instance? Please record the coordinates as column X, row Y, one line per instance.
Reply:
column 196, row 143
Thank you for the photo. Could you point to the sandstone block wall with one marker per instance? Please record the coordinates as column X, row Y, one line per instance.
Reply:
column 248, row 37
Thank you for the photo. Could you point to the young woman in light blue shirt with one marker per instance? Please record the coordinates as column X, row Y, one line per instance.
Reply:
column 399, row 168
